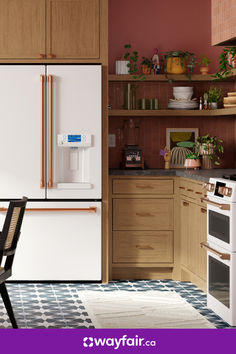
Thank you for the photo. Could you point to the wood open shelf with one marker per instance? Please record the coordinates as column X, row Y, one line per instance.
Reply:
column 173, row 113
column 162, row 77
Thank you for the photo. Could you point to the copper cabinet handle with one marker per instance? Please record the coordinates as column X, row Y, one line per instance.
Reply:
column 144, row 214
column 50, row 133
column 190, row 190
column 200, row 193
column 144, row 247
column 219, row 254
column 203, row 211
column 89, row 210
column 218, row 205
column 185, row 204
column 42, row 56
column 42, row 181
column 144, row 187
column 51, row 56
column 181, row 187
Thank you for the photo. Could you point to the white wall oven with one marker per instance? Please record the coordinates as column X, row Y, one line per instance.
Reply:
column 221, row 248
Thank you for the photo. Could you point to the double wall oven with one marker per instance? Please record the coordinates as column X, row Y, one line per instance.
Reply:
column 221, row 247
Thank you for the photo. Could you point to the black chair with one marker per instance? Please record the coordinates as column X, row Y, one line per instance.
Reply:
column 8, row 242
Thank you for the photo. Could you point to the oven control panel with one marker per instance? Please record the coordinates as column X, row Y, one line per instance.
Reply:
column 221, row 188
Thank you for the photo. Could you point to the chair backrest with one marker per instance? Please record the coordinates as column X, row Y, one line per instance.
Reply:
column 12, row 225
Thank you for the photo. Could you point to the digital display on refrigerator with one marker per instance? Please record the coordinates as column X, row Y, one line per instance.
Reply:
column 74, row 138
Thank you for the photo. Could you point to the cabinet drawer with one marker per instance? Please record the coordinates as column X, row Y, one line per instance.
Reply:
column 142, row 247
column 143, row 214
column 191, row 189
column 142, row 186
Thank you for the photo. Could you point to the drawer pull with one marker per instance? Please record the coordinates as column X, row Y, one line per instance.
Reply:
column 181, row 187
column 203, row 211
column 144, row 187
column 144, row 214
column 198, row 193
column 185, row 204
column 144, row 247
column 219, row 254
column 190, row 190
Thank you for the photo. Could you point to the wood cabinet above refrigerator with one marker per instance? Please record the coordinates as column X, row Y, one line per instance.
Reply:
column 52, row 29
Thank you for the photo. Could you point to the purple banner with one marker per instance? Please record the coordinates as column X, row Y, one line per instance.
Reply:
column 43, row 341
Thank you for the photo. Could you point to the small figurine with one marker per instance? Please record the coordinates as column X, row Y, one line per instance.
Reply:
column 156, row 63
column 167, row 156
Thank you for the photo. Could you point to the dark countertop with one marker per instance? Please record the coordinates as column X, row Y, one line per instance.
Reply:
column 198, row 175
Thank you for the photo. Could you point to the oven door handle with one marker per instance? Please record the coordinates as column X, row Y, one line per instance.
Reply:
column 219, row 254
column 218, row 205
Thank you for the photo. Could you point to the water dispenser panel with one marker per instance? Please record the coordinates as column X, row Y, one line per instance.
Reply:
column 74, row 140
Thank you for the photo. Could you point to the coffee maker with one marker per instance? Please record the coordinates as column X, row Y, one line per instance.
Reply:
column 132, row 154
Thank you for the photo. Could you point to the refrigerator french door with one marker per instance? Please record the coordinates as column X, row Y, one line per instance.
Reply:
column 50, row 140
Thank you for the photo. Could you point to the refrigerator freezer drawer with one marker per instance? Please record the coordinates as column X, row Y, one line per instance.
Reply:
column 59, row 241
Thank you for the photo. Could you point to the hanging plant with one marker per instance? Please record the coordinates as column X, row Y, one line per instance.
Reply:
column 226, row 63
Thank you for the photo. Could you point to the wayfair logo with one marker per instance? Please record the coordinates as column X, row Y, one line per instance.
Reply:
column 117, row 342
column 88, row 342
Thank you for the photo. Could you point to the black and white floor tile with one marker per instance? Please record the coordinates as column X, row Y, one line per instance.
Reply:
column 58, row 305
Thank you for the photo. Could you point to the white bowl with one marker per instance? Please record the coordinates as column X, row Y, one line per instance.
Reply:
column 183, row 93
column 182, row 88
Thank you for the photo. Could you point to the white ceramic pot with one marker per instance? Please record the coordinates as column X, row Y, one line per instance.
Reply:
column 213, row 105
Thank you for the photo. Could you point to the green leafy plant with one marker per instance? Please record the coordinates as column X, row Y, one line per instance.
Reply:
column 132, row 57
column 225, row 67
column 212, row 146
column 146, row 61
column 214, row 94
column 193, row 156
column 190, row 59
column 205, row 61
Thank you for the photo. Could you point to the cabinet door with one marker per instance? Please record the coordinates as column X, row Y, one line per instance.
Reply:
column 73, row 29
column 184, row 231
column 22, row 29
column 202, row 236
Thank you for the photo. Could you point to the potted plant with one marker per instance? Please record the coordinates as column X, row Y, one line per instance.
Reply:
column 146, row 66
column 214, row 95
column 192, row 161
column 226, row 63
column 209, row 147
column 204, row 62
column 132, row 59
column 177, row 62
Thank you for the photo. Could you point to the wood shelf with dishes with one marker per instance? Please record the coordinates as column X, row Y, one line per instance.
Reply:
column 166, row 78
column 172, row 113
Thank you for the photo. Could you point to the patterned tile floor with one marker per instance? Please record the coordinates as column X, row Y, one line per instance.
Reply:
column 58, row 305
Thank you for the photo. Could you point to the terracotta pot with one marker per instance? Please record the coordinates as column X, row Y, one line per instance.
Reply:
column 192, row 163
column 146, row 70
column 207, row 163
column 204, row 70
column 176, row 65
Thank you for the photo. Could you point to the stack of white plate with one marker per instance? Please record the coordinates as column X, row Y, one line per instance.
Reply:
column 183, row 99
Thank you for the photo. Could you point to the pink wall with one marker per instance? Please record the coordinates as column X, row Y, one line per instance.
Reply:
column 165, row 24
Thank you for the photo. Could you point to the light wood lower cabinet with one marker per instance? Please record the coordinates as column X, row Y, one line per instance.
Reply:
column 142, row 246
column 193, row 231
column 143, row 214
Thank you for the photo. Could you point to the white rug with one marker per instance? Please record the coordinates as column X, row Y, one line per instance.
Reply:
column 149, row 309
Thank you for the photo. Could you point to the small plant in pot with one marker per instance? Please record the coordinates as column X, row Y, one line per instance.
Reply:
column 192, row 161
column 214, row 96
column 204, row 62
column 210, row 148
column 178, row 62
column 227, row 62
column 146, row 66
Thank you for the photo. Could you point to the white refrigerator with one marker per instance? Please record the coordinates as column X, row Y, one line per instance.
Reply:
column 50, row 151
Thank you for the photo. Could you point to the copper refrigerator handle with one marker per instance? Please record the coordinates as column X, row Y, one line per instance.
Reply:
column 219, row 254
column 50, row 135
column 218, row 205
column 42, row 181
column 91, row 209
